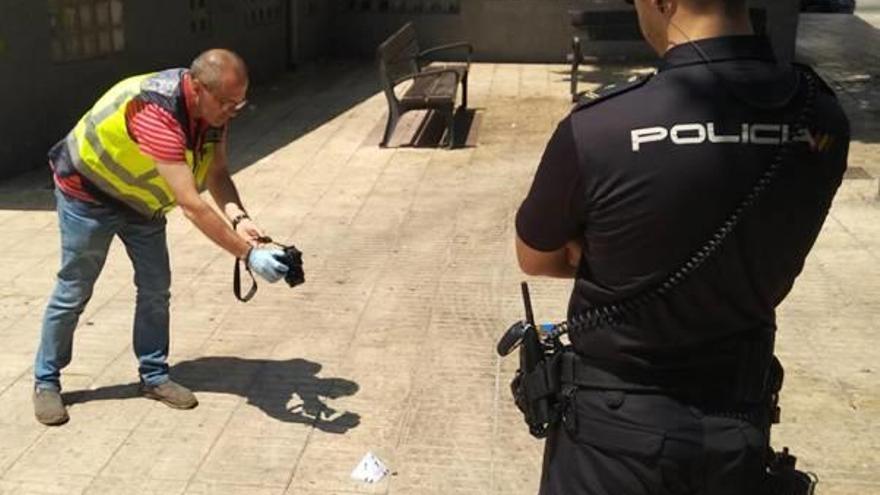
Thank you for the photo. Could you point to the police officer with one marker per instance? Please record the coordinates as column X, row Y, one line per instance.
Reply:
column 671, row 397
column 146, row 146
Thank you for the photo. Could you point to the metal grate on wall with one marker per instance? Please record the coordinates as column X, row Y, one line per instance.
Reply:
column 200, row 17
column 85, row 29
column 259, row 13
column 405, row 6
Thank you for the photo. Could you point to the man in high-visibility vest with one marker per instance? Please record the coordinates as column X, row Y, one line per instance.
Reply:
column 147, row 145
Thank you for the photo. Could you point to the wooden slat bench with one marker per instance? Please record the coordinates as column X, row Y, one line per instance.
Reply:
column 434, row 87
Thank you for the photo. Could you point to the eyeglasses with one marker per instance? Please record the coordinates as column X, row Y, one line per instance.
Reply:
column 226, row 104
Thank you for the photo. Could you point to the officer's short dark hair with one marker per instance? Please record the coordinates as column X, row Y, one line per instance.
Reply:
column 731, row 6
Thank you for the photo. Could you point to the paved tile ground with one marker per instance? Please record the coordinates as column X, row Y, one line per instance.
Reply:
column 869, row 10
column 845, row 49
column 389, row 346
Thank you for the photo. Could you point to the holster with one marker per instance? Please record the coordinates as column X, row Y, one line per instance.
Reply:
column 535, row 386
column 784, row 479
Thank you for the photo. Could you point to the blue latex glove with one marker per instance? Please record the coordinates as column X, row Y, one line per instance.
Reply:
column 264, row 262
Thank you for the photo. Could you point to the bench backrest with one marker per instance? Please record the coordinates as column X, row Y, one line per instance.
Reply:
column 397, row 56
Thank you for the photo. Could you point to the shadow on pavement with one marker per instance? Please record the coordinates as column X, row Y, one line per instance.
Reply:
column 434, row 129
column 427, row 129
column 288, row 391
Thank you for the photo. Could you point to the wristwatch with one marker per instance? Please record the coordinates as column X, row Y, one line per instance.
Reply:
column 238, row 218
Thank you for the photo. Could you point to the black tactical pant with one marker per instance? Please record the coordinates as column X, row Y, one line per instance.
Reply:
column 619, row 443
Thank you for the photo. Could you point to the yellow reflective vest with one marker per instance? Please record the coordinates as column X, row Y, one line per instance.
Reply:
column 101, row 149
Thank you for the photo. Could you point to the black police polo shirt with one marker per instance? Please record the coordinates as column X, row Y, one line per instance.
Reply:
column 645, row 176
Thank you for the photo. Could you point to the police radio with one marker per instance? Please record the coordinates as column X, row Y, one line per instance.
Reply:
column 535, row 385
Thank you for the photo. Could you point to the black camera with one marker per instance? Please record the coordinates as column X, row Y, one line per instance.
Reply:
column 294, row 261
column 291, row 257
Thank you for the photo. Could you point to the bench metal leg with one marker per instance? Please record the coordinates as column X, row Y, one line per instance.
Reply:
column 576, row 58
column 464, row 80
column 393, row 117
column 450, row 127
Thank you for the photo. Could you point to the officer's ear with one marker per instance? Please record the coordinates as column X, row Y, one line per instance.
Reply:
column 665, row 7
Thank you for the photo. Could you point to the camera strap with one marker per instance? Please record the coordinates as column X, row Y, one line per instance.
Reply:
column 236, row 282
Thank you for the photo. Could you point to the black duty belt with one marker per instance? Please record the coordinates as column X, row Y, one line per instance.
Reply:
column 709, row 389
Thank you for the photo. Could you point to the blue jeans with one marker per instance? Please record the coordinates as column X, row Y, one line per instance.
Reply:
column 86, row 232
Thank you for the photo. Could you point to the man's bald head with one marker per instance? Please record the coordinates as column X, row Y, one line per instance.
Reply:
column 219, row 82
column 217, row 67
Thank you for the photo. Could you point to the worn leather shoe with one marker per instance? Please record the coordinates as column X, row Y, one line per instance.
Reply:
column 172, row 394
column 49, row 408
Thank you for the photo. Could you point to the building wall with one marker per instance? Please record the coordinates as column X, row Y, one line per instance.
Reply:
column 310, row 35
column 501, row 30
column 510, row 30
column 41, row 97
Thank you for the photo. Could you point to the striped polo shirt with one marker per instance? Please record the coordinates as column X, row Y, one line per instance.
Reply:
column 158, row 135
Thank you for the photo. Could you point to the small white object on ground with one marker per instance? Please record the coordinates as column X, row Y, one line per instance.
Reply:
column 370, row 469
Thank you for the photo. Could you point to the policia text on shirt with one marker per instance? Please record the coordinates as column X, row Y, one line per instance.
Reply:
column 701, row 133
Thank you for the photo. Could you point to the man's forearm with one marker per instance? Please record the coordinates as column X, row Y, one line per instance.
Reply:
column 212, row 225
column 225, row 194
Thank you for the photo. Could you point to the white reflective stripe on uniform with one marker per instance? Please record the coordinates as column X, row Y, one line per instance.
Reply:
column 118, row 170
column 92, row 121
column 102, row 183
